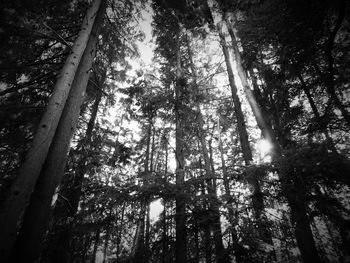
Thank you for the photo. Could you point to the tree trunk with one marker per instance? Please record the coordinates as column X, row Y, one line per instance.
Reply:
column 214, row 203
column 266, row 130
column 15, row 203
column 165, row 236
column 36, row 218
column 205, row 227
column 119, row 233
column 96, row 242
column 316, row 113
column 108, row 230
column 140, row 248
column 257, row 196
column 231, row 213
column 242, row 129
column 62, row 247
column 86, row 246
column 180, row 216
column 306, row 242
column 329, row 79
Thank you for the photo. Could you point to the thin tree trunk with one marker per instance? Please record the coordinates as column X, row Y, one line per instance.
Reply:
column 147, row 235
column 96, row 242
column 15, row 203
column 219, row 247
column 165, row 237
column 119, row 232
column 242, row 129
column 231, row 213
column 316, row 113
column 36, row 218
column 257, row 196
column 108, row 231
column 139, row 254
column 86, row 245
column 221, row 255
column 180, row 216
column 266, row 130
column 206, row 226
column 165, row 230
column 330, row 85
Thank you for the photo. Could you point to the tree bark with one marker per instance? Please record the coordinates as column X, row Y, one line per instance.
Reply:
column 15, row 203
column 180, row 198
column 35, row 222
column 140, row 248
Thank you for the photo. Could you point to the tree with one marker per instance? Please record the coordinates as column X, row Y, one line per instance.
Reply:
column 20, row 192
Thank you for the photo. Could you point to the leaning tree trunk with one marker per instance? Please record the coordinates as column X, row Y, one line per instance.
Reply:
column 257, row 196
column 306, row 90
column 180, row 199
column 61, row 249
column 306, row 242
column 15, row 203
column 36, row 218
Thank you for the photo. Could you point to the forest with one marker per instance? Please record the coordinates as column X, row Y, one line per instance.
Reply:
column 161, row 131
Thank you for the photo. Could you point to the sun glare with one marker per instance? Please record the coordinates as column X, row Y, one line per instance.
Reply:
column 156, row 208
column 264, row 148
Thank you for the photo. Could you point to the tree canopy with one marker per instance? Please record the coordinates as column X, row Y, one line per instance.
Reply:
column 174, row 131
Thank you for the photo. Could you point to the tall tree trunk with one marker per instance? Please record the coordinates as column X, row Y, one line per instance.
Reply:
column 206, row 226
column 221, row 255
column 36, row 218
column 62, row 248
column 242, row 130
column 119, row 233
column 165, row 236
column 219, row 247
column 139, row 251
column 17, row 200
column 266, row 130
column 229, row 199
column 96, row 243
column 165, row 230
column 257, row 196
column 180, row 216
column 306, row 242
column 108, row 232
column 87, row 243
column 147, row 234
